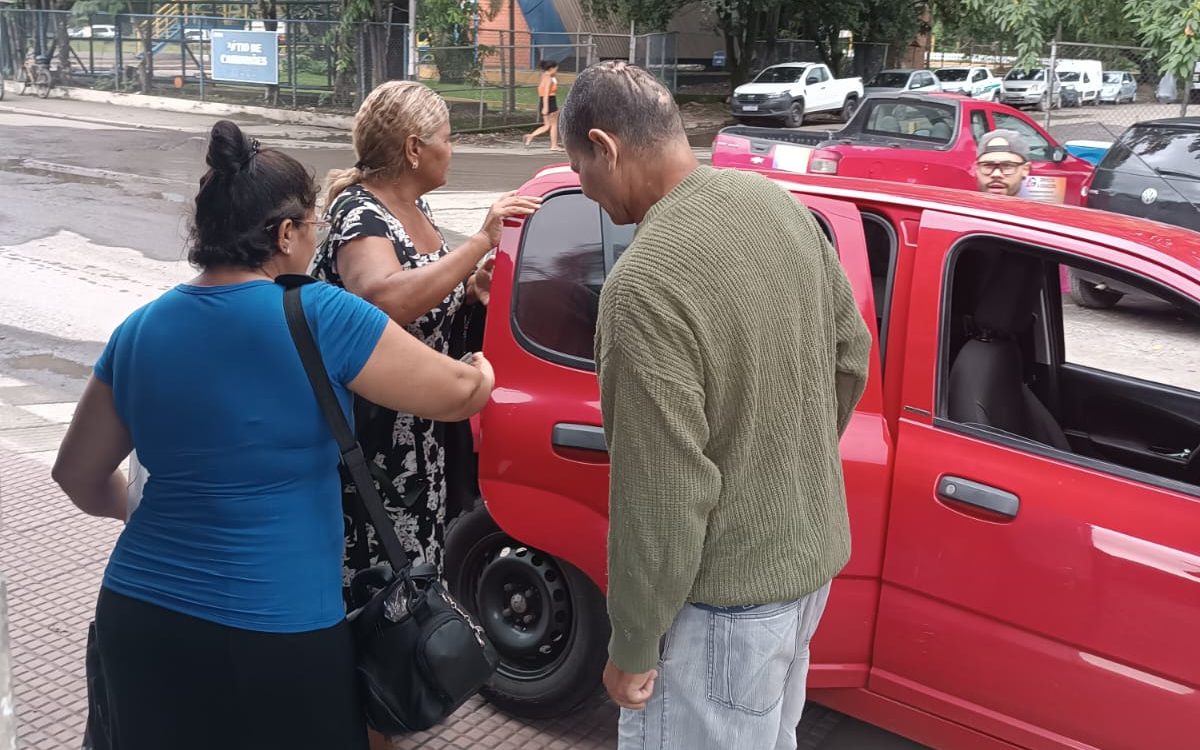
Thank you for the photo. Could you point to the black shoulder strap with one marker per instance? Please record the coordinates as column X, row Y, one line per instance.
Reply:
column 352, row 454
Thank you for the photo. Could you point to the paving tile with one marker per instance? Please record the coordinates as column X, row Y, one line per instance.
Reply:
column 18, row 416
column 31, row 439
column 59, row 412
column 20, row 395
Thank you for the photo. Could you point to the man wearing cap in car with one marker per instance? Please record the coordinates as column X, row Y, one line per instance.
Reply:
column 1002, row 163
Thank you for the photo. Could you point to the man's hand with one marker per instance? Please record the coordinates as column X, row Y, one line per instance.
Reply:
column 627, row 689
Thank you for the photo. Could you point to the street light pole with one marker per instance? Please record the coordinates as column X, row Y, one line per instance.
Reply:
column 412, row 40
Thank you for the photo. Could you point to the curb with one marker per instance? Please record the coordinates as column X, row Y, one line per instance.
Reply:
column 188, row 106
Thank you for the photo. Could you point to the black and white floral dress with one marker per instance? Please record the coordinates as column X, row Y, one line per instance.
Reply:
column 410, row 451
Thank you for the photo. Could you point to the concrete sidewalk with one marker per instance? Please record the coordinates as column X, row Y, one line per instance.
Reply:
column 54, row 556
column 287, row 128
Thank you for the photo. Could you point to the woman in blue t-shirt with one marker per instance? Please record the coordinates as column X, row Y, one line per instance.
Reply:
column 220, row 621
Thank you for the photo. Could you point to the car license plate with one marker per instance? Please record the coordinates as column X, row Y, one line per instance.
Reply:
column 749, row 107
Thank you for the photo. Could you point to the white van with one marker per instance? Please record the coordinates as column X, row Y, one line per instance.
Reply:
column 1085, row 76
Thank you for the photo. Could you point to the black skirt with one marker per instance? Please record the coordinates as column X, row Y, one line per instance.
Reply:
column 552, row 105
column 179, row 682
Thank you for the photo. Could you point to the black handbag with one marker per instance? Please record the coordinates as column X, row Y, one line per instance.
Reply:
column 419, row 654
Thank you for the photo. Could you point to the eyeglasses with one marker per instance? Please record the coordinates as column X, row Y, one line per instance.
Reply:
column 1006, row 168
column 320, row 226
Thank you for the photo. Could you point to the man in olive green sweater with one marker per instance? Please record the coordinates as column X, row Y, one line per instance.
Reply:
column 730, row 354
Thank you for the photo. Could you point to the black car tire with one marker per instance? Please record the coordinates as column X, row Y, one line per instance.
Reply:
column 849, row 108
column 795, row 115
column 563, row 598
column 1086, row 294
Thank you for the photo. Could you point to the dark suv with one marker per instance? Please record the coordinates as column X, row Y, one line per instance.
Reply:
column 1152, row 171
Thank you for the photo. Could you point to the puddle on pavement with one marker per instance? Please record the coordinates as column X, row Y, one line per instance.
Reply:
column 49, row 363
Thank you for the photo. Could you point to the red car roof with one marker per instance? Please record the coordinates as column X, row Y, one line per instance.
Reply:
column 1163, row 243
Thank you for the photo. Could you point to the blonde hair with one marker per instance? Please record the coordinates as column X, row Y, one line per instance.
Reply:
column 390, row 114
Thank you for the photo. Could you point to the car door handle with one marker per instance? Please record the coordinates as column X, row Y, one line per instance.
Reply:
column 586, row 437
column 958, row 490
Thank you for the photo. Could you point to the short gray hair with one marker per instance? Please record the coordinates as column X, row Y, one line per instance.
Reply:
column 624, row 101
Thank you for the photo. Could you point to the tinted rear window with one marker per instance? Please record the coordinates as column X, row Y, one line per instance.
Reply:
column 1113, row 77
column 890, row 80
column 1025, row 75
column 779, row 75
column 1145, row 150
column 930, row 122
column 952, row 74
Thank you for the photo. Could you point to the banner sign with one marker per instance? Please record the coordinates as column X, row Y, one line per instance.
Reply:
column 245, row 56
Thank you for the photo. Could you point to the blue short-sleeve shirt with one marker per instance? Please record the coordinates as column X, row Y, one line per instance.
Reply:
column 240, row 522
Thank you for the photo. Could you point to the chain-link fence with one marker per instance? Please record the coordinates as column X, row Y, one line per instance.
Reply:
column 1089, row 92
column 313, row 62
column 495, row 80
column 1103, row 89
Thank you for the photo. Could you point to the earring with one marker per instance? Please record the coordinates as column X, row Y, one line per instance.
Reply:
column 285, row 250
column 414, row 163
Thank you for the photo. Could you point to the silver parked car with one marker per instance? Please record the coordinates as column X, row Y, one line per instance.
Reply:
column 903, row 79
column 1119, row 86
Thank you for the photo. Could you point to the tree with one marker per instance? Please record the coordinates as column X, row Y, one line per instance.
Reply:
column 449, row 24
column 1169, row 28
column 751, row 27
column 1033, row 23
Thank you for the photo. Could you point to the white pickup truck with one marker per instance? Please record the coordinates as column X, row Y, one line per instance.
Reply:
column 791, row 91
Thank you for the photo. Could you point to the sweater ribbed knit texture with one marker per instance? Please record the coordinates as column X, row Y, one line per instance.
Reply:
column 730, row 355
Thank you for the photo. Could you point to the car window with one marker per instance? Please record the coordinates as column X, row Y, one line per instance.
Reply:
column 921, row 120
column 1118, row 392
column 560, row 272
column 890, row 80
column 1018, row 74
column 882, row 246
column 817, row 75
column 1144, row 150
column 616, row 237
column 1112, row 78
column 979, row 124
column 1113, row 326
column 952, row 74
column 926, row 79
column 787, row 74
column 1039, row 148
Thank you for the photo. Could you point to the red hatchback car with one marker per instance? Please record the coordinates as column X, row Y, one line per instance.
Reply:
column 924, row 139
column 1023, row 476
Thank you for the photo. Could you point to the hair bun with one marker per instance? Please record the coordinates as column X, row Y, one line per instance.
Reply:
column 228, row 148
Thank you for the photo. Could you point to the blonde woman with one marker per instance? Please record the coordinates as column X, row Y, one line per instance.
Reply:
column 547, row 105
column 385, row 247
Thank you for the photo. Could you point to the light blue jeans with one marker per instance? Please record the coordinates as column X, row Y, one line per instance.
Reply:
column 729, row 679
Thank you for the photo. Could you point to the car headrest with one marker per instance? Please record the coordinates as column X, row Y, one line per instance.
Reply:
column 1008, row 292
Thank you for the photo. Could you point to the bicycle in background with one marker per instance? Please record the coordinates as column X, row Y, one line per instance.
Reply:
column 36, row 74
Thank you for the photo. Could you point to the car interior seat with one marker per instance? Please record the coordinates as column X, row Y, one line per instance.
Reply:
column 987, row 383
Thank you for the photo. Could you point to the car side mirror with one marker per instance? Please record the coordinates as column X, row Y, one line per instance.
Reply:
column 811, row 81
column 1058, row 155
